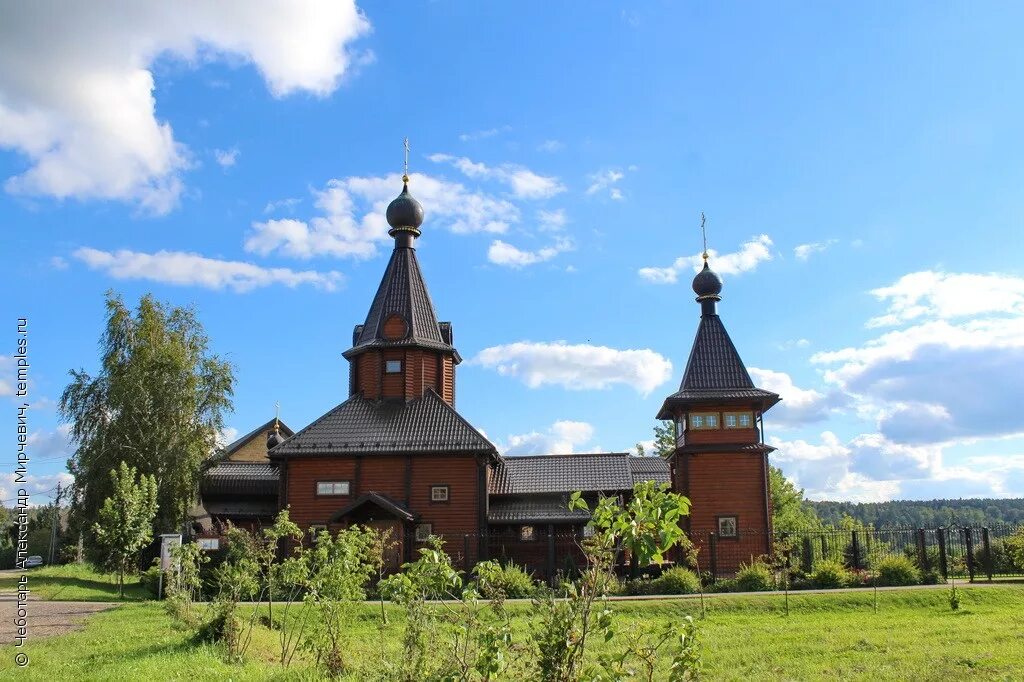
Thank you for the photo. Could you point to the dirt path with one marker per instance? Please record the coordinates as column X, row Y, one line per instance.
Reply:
column 46, row 618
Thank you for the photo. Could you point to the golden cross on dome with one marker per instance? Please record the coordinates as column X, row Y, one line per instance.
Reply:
column 704, row 233
column 277, row 415
column 405, row 172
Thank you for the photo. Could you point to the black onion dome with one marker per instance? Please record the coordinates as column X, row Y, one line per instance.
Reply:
column 274, row 439
column 405, row 212
column 707, row 283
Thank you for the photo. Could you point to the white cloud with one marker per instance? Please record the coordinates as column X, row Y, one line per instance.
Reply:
column 41, row 488
column 605, row 180
column 523, row 182
column 577, row 366
column 77, row 89
column 50, row 444
column 550, row 146
column 484, row 134
column 227, row 436
column 226, row 158
column 191, row 269
column 552, row 221
column 946, row 296
column 751, row 253
column 8, row 375
column 287, row 205
column 805, row 251
column 58, row 263
column 799, row 406
column 502, row 253
column 561, row 438
column 793, row 343
column 352, row 222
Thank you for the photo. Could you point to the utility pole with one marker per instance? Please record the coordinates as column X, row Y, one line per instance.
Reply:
column 53, row 528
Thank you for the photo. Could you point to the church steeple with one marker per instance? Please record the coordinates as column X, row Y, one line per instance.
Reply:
column 401, row 350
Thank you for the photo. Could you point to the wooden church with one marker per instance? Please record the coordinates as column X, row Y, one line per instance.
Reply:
column 397, row 455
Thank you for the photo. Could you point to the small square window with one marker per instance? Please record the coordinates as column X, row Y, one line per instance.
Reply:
column 697, row 421
column 527, row 533
column 423, row 532
column 393, row 366
column 728, row 527
column 588, row 531
column 209, row 544
column 730, row 421
column 712, row 421
column 332, row 488
column 745, row 420
column 438, row 493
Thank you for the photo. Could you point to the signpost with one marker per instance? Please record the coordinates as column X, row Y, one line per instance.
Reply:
column 168, row 541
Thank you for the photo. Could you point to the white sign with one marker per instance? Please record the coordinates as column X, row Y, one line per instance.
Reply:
column 167, row 544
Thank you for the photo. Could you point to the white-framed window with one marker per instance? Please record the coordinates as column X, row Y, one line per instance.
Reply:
column 424, row 531
column 527, row 533
column 209, row 544
column 728, row 527
column 393, row 366
column 438, row 493
column 737, row 420
column 588, row 531
column 332, row 488
column 704, row 420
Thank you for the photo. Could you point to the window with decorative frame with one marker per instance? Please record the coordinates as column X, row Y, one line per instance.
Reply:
column 527, row 533
column 332, row 487
column 438, row 493
column 424, row 531
column 728, row 527
column 738, row 420
column 393, row 366
column 702, row 421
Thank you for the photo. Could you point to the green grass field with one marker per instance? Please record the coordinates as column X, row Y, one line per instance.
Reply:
column 914, row 636
column 75, row 582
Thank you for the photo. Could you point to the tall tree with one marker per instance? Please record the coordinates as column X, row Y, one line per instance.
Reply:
column 790, row 511
column 157, row 404
column 664, row 440
column 124, row 524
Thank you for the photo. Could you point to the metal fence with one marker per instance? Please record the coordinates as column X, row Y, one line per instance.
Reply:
column 970, row 553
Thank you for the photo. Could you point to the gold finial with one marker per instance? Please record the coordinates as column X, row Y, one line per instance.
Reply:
column 277, row 417
column 405, row 172
column 704, row 233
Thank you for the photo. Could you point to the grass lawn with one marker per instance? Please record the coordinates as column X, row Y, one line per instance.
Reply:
column 914, row 636
column 75, row 582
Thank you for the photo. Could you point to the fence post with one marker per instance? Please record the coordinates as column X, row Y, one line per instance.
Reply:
column 713, row 550
column 969, row 542
column 856, row 551
column 943, row 559
column 922, row 551
column 987, row 549
column 824, row 547
column 551, row 554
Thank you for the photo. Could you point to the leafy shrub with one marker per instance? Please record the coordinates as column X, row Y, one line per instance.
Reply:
column 830, row 575
column 1014, row 548
column 897, row 570
column 724, row 585
column 755, row 577
column 150, row 578
column 509, row 581
column 676, row 580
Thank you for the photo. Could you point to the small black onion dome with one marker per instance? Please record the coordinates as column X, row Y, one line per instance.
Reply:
column 405, row 212
column 707, row 283
column 274, row 439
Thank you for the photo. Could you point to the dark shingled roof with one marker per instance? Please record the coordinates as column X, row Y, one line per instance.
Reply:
column 535, row 508
column 426, row 425
column 240, row 478
column 568, row 473
column 403, row 292
column 379, row 500
column 715, row 371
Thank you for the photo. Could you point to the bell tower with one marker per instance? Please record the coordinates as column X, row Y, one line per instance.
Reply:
column 720, row 461
column 401, row 351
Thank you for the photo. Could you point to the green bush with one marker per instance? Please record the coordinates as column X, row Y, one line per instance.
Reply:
column 723, row 585
column 896, row 571
column 676, row 580
column 150, row 578
column 829, row 575
column 510, row 581
column 755, row 577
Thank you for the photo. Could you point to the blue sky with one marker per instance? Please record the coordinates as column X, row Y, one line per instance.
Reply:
column 860, row 168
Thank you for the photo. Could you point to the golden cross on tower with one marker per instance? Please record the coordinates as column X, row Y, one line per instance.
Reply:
column 277, row 415
column 405, row 172
column 704, row 233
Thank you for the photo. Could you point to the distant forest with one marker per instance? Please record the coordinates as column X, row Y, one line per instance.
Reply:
column 926, row 514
